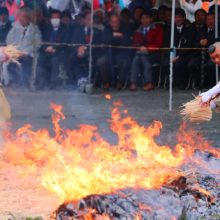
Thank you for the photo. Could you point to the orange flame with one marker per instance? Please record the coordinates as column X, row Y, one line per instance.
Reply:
column 107, row 96
column 78, row 163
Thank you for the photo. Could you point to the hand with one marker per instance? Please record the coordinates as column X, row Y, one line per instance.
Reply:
column 183, row 2
column 203, row 42
column 143, row 48
column 204, row 104
column 117, row 34
column 49, row 49
column 175, row 58
column 81, row 50
column 205, row 100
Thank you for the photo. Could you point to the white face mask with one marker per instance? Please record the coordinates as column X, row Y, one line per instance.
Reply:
column 55, row 22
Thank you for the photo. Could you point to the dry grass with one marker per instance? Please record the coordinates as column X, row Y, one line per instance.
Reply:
column 193, row 112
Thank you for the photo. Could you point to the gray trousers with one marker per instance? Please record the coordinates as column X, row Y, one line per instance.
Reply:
column 143, row 62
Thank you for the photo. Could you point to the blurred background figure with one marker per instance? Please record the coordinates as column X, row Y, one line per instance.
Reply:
column 79, row 20
column 5, row 24
column 20, row 35
column 40, row 4
column 137, row 16
column 167, row 3
column 190, row 7
column 126, row 19
column 98, row 16
column 161, row 13
column 147, row 4
column 154, row 12
column 40, row 22
column 13, row 7
column 106, row 18
column 66, row 19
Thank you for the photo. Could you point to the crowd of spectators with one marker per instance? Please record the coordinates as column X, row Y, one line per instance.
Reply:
column 130, row 45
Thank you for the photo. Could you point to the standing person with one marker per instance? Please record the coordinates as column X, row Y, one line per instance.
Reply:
column 190, row 7
column 13, row 7
column 199, row 57
column 21, row 35
column 146, row 36
column 5, row 24
column 205, row 37
column 183, row 38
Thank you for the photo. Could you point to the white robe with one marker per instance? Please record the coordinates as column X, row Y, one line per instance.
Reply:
column 2, row 56
column 191, row 8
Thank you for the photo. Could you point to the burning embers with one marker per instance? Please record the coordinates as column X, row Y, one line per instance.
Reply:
column 137, row 179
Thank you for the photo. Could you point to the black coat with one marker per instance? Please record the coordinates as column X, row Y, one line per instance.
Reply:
column 125, row 41
column 4, row 31
column 62, row 37
column 80, row 37
column 203, row 34
column 185, row 39
column 43, row 27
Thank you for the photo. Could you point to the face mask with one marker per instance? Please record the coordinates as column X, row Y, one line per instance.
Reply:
column 55, row 22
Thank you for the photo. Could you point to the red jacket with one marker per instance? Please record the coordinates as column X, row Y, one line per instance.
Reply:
column 154, row 38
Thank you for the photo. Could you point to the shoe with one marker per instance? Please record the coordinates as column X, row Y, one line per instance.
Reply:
column 133, row 87
column 148, row 87
column 120, row 86
column 106, row 86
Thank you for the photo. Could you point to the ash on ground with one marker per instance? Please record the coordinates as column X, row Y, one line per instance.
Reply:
column 193, row 196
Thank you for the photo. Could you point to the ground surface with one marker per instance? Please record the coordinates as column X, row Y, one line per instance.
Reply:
column 34, row 108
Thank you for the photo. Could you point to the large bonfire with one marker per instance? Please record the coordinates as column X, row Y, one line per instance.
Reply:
column 39, row 173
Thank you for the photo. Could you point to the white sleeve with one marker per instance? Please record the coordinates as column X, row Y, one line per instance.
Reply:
column 2, row 56
column 194, row 8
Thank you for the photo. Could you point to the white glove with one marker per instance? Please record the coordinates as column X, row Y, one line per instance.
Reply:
column 212, row 105
column 212, row 92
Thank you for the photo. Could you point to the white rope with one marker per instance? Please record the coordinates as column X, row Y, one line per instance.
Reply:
column 90, row 43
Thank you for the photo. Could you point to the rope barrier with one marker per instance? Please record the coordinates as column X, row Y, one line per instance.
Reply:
column 104, row 45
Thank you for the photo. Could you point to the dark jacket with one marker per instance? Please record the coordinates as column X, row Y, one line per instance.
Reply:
column 61, row 37
column 125, row 41
column 203, row 34
column 4, row 31
column 43, row 27
column 184, row 39
column 154, row 38
column 79, row 36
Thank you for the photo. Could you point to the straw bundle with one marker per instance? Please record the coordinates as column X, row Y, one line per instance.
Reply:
column 193, row 112
column 12, row 52
column 5, row 112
